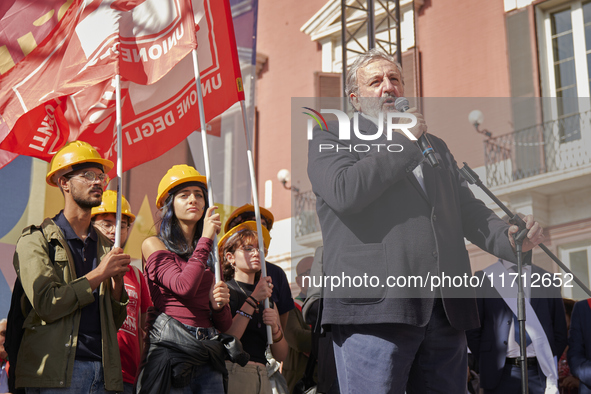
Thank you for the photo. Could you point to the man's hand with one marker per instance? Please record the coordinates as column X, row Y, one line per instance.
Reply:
column 534, row 237
column 570, row 382
column 114, row 264
column 420, row 128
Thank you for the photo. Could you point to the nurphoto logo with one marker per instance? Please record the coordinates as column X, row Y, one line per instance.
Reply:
column 344, row 133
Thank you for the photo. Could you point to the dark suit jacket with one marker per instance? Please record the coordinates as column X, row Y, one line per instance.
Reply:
column 489, row 342
column 579, row 345
column 377, row 220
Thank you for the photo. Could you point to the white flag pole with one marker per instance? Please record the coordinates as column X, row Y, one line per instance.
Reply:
column 257, row 210
column 217, row 265
column 119, row 161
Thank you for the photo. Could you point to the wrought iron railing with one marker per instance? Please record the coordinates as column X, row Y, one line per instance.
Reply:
column 546, row 147
column 305, row 214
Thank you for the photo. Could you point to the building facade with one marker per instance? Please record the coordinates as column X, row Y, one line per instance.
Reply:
column 525, row 65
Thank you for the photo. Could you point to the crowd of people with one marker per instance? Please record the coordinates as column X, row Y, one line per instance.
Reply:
column 90, row 322
column 94, row 323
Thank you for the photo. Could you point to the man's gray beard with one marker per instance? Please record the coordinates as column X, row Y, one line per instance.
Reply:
column 371, row 111
column 372, row 106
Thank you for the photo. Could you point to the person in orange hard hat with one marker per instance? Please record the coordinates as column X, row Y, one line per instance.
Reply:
column 281, row 291
column 191, row 306
column 130, row 335
column 73, row 281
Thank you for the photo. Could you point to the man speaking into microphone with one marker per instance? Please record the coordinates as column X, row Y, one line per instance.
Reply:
column 391, row 215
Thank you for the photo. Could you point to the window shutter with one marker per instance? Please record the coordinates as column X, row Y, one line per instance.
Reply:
column 328, row 90
column 410, row 73
column 523, row 92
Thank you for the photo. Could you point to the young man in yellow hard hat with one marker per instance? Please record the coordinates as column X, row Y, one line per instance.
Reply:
column 130, row 335
column 73, row 281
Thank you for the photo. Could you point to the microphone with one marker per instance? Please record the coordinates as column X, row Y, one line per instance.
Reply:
column 403, row 105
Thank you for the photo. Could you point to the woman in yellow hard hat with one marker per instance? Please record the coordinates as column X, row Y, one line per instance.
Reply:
column 130, row 335
column 182, row 283
column 240, row 254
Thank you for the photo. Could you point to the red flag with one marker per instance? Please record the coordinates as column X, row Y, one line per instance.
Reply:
column 140, row 39
column 25, row 23
column 155, row 117
column 159, row 116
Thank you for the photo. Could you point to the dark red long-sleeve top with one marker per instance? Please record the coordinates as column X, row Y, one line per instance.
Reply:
column 180, row 288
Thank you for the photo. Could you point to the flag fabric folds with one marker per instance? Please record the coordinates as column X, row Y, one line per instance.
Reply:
column 64, row 90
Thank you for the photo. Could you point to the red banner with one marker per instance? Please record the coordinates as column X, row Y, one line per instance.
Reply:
column 155, row 117
column 159, row 116
column 23, row 24
column 142, row 40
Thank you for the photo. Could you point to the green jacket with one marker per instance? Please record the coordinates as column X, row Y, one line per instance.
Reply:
column 48, row 348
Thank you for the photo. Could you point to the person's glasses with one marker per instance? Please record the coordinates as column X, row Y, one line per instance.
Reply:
column 249, row 249
column 92, row 176
column 110, row 227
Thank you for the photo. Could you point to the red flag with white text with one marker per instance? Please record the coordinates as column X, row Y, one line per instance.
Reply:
column 155, row 117
column 141, row 40
column 159, row 116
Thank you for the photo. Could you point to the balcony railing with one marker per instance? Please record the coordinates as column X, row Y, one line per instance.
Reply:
column 305, row 214
column 546, row 147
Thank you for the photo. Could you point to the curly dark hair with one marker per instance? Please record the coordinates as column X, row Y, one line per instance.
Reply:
column 237, row 240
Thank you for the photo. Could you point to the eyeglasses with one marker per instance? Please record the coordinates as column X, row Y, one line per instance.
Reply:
column 92, row 176
column 249, row 249
column 110, row 227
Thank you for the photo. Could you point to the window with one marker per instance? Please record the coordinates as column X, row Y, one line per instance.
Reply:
column 577, row 259
column 564, row 61
column 567, row 37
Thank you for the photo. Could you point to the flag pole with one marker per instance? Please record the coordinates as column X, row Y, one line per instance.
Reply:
column 257, row 210
column 216, row 262
column 253, row 182
column 119, row 161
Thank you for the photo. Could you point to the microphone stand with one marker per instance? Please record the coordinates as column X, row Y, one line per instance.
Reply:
column 519, row 237
column 469, row 175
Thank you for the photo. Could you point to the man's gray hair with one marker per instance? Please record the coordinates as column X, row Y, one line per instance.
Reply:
column 363, row 60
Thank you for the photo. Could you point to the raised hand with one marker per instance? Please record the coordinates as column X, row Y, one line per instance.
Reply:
column 211, row 223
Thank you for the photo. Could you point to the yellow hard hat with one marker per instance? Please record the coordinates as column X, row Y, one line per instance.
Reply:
column 109, row 205
column 75, row 152
column 250, row 208
column 175, row 176
column 249, row 225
